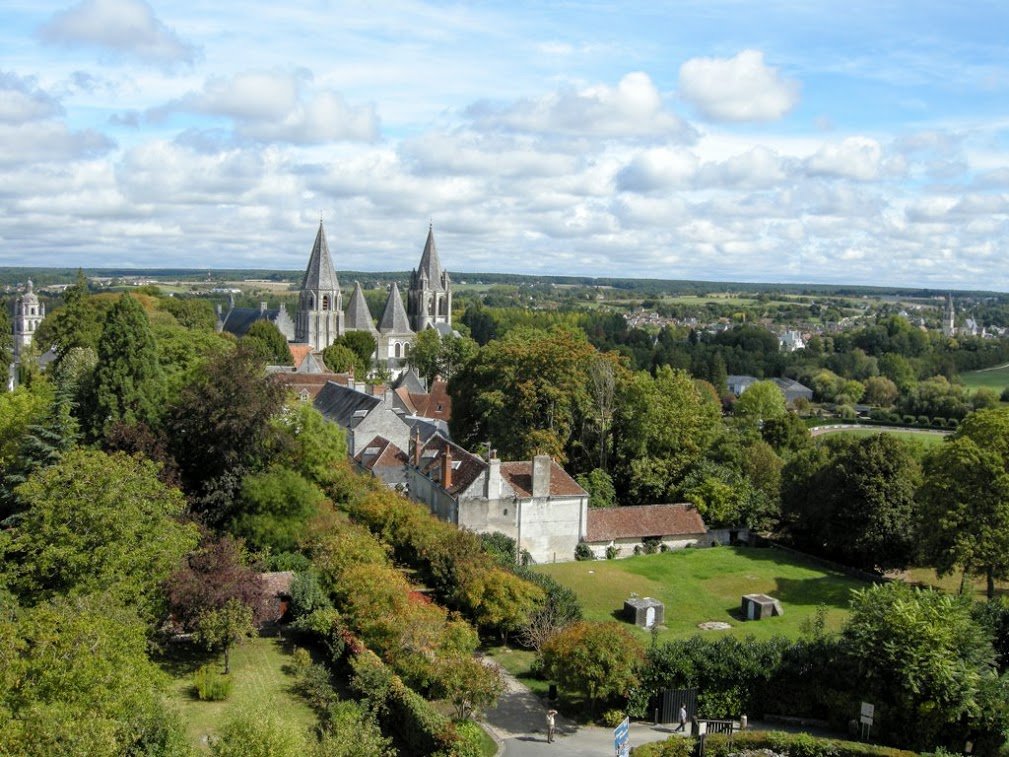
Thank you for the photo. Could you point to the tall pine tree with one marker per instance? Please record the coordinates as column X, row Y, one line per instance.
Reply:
column 129, row 383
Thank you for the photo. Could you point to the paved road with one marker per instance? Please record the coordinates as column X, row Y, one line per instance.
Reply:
column 519, row 723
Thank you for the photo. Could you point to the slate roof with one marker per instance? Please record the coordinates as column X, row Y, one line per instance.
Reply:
column 643, row 521
column 466, row 467
column 519, row 475
column 238, row 321
column 320, row 275
column 430, row 266
column 384, row 459
column 411, row 381
column 358, row 316
column 394, row 320
column 340, row 403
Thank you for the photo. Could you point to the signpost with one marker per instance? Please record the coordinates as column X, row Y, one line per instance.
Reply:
column 622, row 737
column 865, row 719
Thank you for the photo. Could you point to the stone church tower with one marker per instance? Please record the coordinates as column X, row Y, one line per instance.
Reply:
column 429, row 300
column 320, row 306
column 28, row 314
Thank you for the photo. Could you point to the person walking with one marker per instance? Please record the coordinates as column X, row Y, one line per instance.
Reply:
column 683, row 719
column 551, row 715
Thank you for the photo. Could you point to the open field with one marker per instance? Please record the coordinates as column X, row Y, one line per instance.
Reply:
column 924, row 438
column 700, row 585
column 951, row 583
column 993, row 378
column 257, row 668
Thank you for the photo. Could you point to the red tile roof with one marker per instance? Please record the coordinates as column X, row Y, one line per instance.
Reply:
column 299, row 352
column 519, row 476
column 380, row 453
column 466, row 467
column 311, row 382
column 643, row 521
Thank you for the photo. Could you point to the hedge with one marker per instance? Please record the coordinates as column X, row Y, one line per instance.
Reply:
column 795, row 745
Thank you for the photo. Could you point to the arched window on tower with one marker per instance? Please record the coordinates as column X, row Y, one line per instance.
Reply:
column 325, row 302
column 311, row 302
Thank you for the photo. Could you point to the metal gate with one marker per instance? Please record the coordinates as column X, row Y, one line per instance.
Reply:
column 670, row 702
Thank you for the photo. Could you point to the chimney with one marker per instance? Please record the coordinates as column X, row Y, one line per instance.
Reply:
column 416, row 447
column 541, row 475
column 262, row 306
column 493, row 476
column 446, row 468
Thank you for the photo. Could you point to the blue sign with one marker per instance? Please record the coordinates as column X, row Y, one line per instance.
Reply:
column 621, row 737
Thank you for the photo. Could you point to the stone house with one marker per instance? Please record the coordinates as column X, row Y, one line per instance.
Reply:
column 674, row 526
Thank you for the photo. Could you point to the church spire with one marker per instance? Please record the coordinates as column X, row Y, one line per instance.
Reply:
column 320, row 275
column 358, row 315
column 430, row 266
column 394, row 320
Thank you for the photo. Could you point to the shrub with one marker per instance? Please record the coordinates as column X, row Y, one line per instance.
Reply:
column 211, row 685
column 469, row 740
column 792, row 745
column 612, row 552
column 908, row 419
column 923, row 420
column 313, row 684
column 1005, row 395
column 613, row 718
column 584, row 552
column 651, row 545
column 674, row 746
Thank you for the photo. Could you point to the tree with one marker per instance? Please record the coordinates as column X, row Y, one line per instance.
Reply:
column 129, row 382
column 456, row 351
column 919, row 655
column 259, row 734
column 599, row 485
column 96, row 522
column 760, row 402
column 881, row 391
column 220, row 427
column 310, row 444
column 425, row 355
column 501, row 600
column 77, row 324
column 362, row 344
column 664, row 426
column 265, row 339
column 275, row 506
column 598, row 660
column 220, row 629
column 524, row 393
column 340, row 359
column 965, row 510
column 352, row 731
column 77, row 680
column 471, row 686
column 212, row 576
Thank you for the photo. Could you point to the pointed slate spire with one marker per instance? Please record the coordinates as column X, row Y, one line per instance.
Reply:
column 394, row 320
column 320, row 275
column 358, row 315
column 430, row 266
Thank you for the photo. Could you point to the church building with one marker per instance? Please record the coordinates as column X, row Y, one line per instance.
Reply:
column 321, row 317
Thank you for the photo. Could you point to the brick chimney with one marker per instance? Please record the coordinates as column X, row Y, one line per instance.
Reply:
column 415, row 447
column 542, row 465
column 446, row 468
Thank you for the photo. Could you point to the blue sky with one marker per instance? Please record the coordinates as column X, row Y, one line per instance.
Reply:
column 863, row 142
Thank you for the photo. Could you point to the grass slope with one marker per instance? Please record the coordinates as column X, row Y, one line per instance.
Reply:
column 993, row 378
column 926, row 439
column 260, row 683
column 699, row 585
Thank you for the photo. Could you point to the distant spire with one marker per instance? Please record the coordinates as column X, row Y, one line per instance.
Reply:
column 430, row 266
column 394, row 318
column 320, row 275
column 358, row 314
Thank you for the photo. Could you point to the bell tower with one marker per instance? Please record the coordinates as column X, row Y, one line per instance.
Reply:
column 320, row 304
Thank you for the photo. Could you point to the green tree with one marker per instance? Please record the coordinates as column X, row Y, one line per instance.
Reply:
column 965, row 510
column 96, row 522
column 425, row 355
column 468, row 684
column 77, row 680
column 919, row 655
column 760, row 402
column 881, row 391
column 77, row 324
column 597, row 660
column 664, row 426
column 525, row 393
column 362, row 344
column 352, row 731
column 129, row 382
column 599, row 485
column 456, row 351
column 265, row 339
column 310, row 444
column 220, row 629
column 340, row 359
column 275, row 507
column 6, row 338
column 259, row 734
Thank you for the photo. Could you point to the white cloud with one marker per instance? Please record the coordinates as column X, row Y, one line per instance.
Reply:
column 854, row 158
column 21, row 100
column 633, row 108
column 741, row 88
column 275, row 107
column 48, row 141
column 659, row 168
column 758, row 167
column 126, row 27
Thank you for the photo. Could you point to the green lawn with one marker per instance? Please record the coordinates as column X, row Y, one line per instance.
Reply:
column 260, row 683
column 951, row 583
column 995, row 378
column 700, row 585
column 926, row 439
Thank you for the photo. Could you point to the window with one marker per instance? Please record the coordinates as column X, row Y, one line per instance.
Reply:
column 398, row 348
column 325, row 302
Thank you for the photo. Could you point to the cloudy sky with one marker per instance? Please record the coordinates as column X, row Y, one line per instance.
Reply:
column 862, row 142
